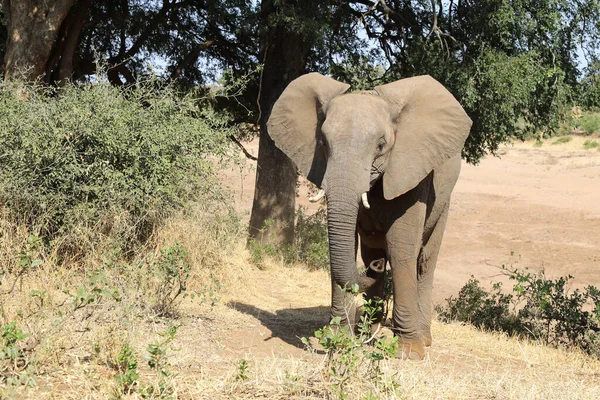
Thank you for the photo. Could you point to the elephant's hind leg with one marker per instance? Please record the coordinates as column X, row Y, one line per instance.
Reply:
column 425, row 269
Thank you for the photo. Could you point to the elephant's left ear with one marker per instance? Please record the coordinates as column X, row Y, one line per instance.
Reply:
column 431, row 126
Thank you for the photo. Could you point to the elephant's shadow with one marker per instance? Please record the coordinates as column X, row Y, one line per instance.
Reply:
column 289, row 325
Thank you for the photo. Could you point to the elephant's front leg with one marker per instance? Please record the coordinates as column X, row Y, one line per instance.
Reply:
column 404, row 240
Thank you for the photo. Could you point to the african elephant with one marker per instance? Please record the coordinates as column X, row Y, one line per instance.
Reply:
column 387, row 160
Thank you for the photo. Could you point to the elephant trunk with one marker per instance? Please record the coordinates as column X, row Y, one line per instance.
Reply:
column 343, row 197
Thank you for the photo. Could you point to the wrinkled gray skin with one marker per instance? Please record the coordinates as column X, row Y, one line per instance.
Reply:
column 401, row 144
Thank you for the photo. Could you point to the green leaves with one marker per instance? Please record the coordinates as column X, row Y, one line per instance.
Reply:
column 349, row 353
column 103, row 160
column 537, row 308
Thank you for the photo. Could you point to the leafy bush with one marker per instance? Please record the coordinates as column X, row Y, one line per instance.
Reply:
column 589, row 123
column 310, row 246
column 90, row 161
column 538, row 308
column 487, row 310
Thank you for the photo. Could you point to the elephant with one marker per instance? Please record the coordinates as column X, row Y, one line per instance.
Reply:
column 387, row 161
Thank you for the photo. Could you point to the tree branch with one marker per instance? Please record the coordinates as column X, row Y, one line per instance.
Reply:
column 191, row 57
column 241, row 146
column 154, row 22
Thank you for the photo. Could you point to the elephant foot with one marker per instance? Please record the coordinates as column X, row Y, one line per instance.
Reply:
column 411, row 351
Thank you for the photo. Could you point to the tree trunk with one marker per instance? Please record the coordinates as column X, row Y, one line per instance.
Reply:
column 33, row 27
column 284, row 53
column 73, row 32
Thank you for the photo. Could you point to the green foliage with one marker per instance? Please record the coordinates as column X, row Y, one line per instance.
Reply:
column 350, row 353
column 128, row 376
column 590, row 144
column 173, row 273
column 158, row 362
column 538, row 308
column 498, row 96
column 562, row 140
column 589, row 122
column 589, row 87
column 14, row 360
column 242, row 371
column 512, row 64
column 486, row 310
column 29, row 259
column 83, row 163
column 100, row 287
column 310, row 247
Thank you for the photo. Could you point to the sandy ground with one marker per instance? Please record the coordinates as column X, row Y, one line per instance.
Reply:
column 535, row 207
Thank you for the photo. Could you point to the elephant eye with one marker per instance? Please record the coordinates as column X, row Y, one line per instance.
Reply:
column 380, row 146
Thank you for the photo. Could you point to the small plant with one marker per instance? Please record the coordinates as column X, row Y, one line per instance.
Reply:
column 210, row 292
column 158, row 362
column 590, row 144
column 173, row 272
column 563, row 139
column 349, row 353
column 538, row 143
column 98, row 289
column 14, row 360
column 29, row 257
column 242, row 371
column 128, row 376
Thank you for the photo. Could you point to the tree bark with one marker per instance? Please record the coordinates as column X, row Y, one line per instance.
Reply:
column 33, row 27
column 284, row 53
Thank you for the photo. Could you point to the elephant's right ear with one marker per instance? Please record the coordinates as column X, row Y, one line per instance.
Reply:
column 296, row 119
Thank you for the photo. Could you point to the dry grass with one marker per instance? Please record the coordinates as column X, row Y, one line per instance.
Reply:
column 258, row 317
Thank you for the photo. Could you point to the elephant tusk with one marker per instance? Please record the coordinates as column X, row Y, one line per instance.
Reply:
column 317, row 196
column 365, row 201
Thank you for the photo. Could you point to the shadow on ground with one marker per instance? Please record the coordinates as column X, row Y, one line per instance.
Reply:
column 289, row 324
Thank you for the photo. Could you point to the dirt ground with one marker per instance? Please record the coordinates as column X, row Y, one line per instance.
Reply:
column 535, row 207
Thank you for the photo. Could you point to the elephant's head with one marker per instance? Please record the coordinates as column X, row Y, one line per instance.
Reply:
column 343, row 142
